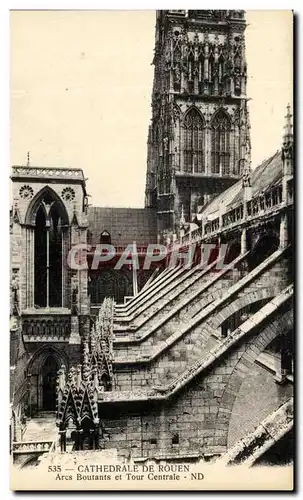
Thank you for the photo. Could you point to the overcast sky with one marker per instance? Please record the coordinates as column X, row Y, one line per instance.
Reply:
column 81, row 86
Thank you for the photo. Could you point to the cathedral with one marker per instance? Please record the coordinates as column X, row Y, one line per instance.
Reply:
column 164, row 362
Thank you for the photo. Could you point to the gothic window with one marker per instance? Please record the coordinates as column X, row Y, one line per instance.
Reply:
column 50, row 220
column 220, row 143
column 221, row 68
column 191, row 62
column 105, row 237
column 211, row 63
column 201, row 72
column 177, row 69
column 193, row 142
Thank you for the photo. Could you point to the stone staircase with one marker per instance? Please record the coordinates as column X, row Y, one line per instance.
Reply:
column 38, row 439
column 41, row 427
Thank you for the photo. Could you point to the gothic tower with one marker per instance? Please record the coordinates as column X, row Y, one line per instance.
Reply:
column 199, row 134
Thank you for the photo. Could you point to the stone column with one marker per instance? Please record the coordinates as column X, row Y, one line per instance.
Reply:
column 63, row 440
column 243, row 241
column 284, row 230
column 279, row 376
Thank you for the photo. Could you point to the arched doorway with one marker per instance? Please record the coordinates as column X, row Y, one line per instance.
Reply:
column 49, row 380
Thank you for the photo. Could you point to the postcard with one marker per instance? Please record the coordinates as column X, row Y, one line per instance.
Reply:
column 151, row 237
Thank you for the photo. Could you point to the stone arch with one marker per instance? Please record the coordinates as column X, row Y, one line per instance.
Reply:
column 38, row 358
column 30, row 460
column 242, row 301
column 36, row 203
column 245, row 360
column 42, row 384
column 190, row 110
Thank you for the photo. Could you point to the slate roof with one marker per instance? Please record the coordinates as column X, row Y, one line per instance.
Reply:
column 125, row 225
column 263, row 177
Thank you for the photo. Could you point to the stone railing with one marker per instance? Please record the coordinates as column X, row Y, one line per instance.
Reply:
column 50, row 327
column 32, row 447
column 264, row 204
column 229, row 174
column 53, row 173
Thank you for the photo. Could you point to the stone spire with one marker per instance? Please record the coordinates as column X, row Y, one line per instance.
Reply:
column 287, row 157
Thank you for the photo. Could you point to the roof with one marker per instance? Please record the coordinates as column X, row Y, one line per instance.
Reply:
column 125, row 225
column 263, row 177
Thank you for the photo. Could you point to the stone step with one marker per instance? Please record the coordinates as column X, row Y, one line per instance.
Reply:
column 41, row 428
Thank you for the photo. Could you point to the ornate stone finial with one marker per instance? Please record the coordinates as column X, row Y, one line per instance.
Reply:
column 86, row 369
column 28, row 159
column 79, row 376
column 288, row 134
column 62, row 377
column 93, row 339
column 246, row 175
column 72, row 376
column 182, row 218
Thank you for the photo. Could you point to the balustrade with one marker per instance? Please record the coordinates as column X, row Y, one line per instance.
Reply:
column 257, row 206
column 32, row 446
column 50, row 327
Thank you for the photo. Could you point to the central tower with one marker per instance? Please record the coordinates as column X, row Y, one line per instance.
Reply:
column 199, row 132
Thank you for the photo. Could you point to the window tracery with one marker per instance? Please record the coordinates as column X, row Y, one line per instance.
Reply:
column 193, row 142
column 220, row 143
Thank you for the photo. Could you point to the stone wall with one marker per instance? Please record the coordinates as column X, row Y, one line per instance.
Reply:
column 164, row 362
column 200, row 419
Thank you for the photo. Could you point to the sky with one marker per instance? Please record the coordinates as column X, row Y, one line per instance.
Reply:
column 81, row 84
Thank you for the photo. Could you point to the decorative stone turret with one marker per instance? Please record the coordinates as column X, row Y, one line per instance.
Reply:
column 246, row 184
column 287, row 174
column 287, row 153
column 78, row 390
